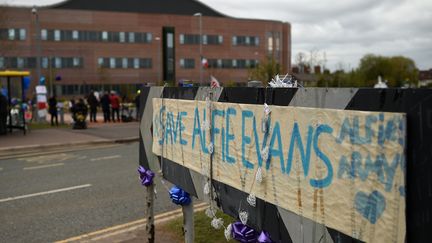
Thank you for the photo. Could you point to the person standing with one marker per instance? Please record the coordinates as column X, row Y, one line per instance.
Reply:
column 115, row 106
column 105, row 103
column 52, row 103
column 93, row 103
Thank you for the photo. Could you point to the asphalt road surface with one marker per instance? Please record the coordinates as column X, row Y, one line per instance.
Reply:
column 49, row 197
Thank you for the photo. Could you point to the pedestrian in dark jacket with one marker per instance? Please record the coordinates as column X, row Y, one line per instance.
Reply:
column 105, row 103
column 93, row 103
column 52, row 103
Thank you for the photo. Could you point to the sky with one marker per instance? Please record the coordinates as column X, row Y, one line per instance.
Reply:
column 338, row 32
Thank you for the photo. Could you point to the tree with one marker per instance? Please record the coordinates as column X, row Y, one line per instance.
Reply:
column 397, row 70
column 265, row 71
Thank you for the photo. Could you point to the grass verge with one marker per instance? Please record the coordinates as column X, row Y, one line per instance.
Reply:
column 36, row 126
column 204, row 232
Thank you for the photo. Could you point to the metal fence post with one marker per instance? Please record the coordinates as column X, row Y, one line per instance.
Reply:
column 150, row 228
column 188, row 222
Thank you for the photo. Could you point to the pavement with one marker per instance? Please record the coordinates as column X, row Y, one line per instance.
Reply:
column 17, row 144
column 96, row 133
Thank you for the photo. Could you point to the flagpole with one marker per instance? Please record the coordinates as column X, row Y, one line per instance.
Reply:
column 200, row 46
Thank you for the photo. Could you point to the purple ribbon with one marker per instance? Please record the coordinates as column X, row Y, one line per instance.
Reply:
column 243, row 233
column 179, row 196
column 146, row 176
column 264, row 237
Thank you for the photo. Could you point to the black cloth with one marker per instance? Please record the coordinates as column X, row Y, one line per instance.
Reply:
column 3, row 114
column 52, row 103
column 92, row 101
column 105, row 102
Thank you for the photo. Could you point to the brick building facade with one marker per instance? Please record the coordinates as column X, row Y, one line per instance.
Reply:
column 92, row 44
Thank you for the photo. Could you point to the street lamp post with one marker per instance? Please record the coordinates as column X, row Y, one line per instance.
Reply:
column 159, row 58
column 200, row 44
column 38, row 43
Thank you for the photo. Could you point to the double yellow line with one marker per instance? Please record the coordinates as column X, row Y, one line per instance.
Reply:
column 127, row 227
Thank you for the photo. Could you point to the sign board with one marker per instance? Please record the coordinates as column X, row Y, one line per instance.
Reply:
column 344, row 169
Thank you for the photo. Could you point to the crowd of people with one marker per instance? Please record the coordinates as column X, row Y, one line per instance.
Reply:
column 109, row 102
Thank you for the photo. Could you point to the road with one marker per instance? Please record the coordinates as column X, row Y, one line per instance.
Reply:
column 49, row 197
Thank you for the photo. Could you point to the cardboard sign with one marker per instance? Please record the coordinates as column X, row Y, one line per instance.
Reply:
column 344, row 169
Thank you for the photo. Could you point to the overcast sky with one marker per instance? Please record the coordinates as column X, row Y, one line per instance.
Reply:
column 344, row 29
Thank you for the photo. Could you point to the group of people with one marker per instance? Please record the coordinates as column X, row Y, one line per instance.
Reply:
column 110, row 104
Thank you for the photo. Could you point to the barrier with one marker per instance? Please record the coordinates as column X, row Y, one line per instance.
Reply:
column 332, row 172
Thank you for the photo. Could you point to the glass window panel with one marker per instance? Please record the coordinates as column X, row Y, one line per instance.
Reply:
column 131, row 37
column 204, row 39
column 220, row 39
column 76, row 62
column 57, row 35
column 58, row 62
column 22, row 34
column 234, row 63
column 234, row 40
column 100, row 61
column 44, row 62
column 270, row 43
column 2, row 62
column 181, row 39
column 124, row 62
column 75, row 35
column 150, row 37
column 122, row 37
column 11, row 34
column 112, row 62
column 44, row 34
column 136, row 63
column 104, row 35
column 182, row 63
column 170, row 40
column 20, row 62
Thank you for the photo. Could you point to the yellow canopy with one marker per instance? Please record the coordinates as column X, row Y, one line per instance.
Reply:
column 8, row 73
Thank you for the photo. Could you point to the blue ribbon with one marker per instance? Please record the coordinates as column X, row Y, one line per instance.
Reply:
column 146, row 176
column 179, row 196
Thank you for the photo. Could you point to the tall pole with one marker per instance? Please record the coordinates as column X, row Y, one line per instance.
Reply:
column 38, row 44
column 200, row 45
column 159, row 59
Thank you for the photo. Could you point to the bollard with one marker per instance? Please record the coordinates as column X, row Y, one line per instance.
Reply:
column 188, row 222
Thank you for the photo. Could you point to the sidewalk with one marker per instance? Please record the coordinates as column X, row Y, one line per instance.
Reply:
column 99, row 132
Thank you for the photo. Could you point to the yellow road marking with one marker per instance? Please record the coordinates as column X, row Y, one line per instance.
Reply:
column 118, row 229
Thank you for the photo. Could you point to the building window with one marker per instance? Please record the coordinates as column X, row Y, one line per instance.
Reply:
column 149, row 37
column 57, row 62
column 11, row 34
column 44, row 34
column 112, row 62
column 122, row 37
column 187, row 63
column 145, row 63
column 104, row 36
column 270, row 44
column 219, row 63
column 234, row 63
column 220, row 39
column 124, row 62
column 170, row 40
column 75, row 35
column 277, row 43
column 245, row 41
column 20, row 62
column 190, row 39
column 181, row 39
column 2, row 62
column 136, row 63
column 57, row 35
column 131, row 37
column 100, row 62
column 76, row 62
column 204, row 39
column 44, row 63
column 22, row 34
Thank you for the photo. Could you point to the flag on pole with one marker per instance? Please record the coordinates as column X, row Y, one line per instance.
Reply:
column 214, row 83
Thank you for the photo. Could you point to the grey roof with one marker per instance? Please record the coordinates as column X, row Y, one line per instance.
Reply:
column 177, row 7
